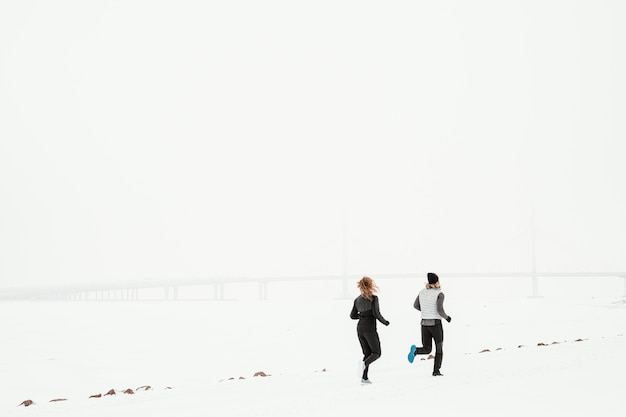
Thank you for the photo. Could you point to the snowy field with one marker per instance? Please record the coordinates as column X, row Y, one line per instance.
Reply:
column 302, row 338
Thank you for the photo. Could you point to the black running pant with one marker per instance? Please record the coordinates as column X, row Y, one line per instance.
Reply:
column 370, row 345
column 430, row 333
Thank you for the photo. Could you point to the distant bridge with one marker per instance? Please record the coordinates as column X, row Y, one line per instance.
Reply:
column 130, row 290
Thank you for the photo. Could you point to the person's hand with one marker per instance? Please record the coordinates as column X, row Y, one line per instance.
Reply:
column 386, row 323
column 449, row 319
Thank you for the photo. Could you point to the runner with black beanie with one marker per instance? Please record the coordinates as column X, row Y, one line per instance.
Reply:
column 430, row 302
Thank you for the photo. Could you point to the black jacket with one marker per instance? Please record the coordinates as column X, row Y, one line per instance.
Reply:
column 367, row 312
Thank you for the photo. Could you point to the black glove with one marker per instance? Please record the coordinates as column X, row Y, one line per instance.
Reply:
column 449, row 319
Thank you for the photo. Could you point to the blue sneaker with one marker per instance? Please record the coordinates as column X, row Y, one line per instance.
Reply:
column 411, row 355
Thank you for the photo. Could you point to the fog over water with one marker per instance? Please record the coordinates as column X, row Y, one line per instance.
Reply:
column 161, row 139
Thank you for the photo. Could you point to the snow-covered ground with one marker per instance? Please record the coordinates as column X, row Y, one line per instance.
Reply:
column 188, row 351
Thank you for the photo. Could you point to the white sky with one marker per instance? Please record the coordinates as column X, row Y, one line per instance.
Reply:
column 195, row 138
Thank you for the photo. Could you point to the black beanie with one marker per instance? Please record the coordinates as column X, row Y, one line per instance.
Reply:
column 432, row 278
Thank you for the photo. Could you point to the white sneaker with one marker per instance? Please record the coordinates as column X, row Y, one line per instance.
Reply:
column 361, row 366
column 365, row 382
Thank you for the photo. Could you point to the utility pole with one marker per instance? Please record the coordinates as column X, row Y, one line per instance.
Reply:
column 344, row 252
column 533, row 253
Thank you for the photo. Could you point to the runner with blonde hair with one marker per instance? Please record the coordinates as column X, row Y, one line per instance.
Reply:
column 366, row 309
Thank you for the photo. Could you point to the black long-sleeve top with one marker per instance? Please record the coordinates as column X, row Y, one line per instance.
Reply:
column 367, row 312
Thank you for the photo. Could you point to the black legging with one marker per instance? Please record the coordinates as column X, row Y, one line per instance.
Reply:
column 428, row 334
column 370, row 345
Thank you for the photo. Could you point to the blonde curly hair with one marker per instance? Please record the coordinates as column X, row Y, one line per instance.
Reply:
column 368, row 287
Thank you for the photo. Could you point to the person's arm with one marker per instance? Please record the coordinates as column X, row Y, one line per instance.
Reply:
column 416, row 304
column 376, row 311
column 354, row 314
column 440, row 309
